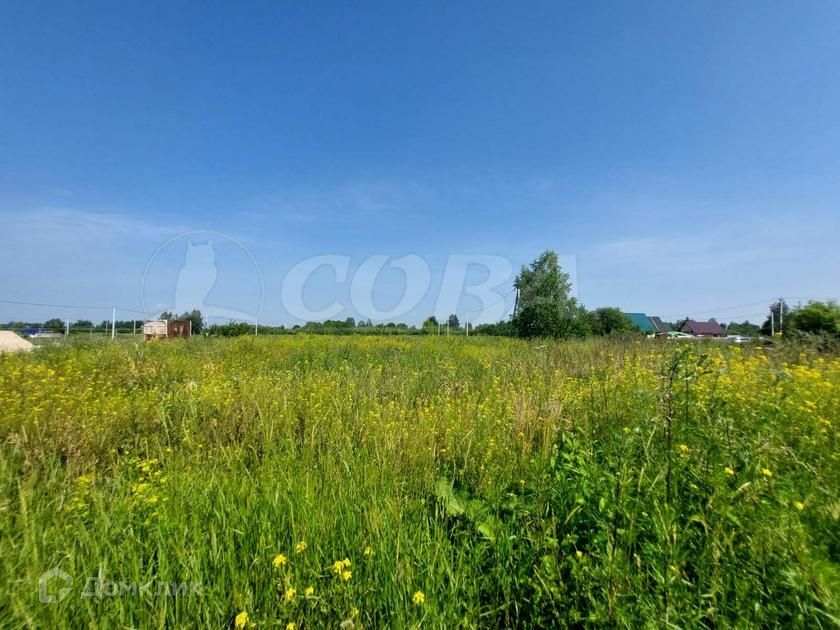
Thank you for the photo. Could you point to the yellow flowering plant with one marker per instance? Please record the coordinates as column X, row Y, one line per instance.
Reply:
column 630, row 480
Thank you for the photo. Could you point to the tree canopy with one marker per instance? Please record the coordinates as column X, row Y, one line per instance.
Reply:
column 816, row 318
column 546, row 307
column 609, row 320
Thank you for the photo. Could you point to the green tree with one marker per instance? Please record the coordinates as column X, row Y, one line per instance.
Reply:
column 500, row 329
column 195, row 317
column 546, row 308
column 54, row 324
column 609, row 320
column 454, row 322
column 744, row 328
column 817, row 318
column 231, row 329
column 430, row 324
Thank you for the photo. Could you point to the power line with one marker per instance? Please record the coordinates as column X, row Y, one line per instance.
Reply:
column 733, row 318
column 715, row 310
column 76, row 306
column 768, row 301
column 53, row 305
column 479, row 311
column 484, row 308
column 811, row 299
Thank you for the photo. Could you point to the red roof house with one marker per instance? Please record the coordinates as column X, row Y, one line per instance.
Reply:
column 703, row 329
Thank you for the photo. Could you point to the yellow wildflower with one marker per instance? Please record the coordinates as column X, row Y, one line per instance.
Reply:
column 241, row 620
column 767, row 472
column 368, row 551
column 279, row 561
column 337, row 567
column 289, row 595
column 683, row 448
column 579, row 554
column 419, row 598
column 309, row 591
column 346, row 575
column 291, row 626
column 799, row 505
column 729, row 471
column 300, row 547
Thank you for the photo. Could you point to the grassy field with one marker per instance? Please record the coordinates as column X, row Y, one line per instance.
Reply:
column 404, row 482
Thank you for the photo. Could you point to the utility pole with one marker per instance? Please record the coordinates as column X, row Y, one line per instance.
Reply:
column 447, row 327
column 66, row 327
column 114, row 324
column 256, row 327
column 467, row 325
column 781, row 315
column 134, row 327
column 772, row 324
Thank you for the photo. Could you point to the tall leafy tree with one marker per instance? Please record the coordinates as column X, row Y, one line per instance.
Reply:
column 546, row 308
column 817, row 318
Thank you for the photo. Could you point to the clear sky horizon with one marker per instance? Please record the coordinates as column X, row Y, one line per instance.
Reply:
column 684, row 157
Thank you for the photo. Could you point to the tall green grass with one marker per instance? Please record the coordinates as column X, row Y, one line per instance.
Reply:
column 512, row 484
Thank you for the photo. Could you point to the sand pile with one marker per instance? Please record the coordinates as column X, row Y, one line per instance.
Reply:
column 12, row 342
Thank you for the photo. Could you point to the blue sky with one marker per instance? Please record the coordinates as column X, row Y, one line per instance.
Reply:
column 684, row 156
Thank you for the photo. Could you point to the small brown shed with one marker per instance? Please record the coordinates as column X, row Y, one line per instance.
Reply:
column 166, row 328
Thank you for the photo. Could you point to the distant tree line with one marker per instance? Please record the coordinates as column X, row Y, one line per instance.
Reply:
column 347, row 326
column 80, row 325
column 545, row 308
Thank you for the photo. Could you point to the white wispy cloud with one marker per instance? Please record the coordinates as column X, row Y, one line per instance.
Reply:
column 349, row 202
column 48, row 226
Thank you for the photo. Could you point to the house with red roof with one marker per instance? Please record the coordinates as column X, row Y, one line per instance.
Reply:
column 703, row 329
